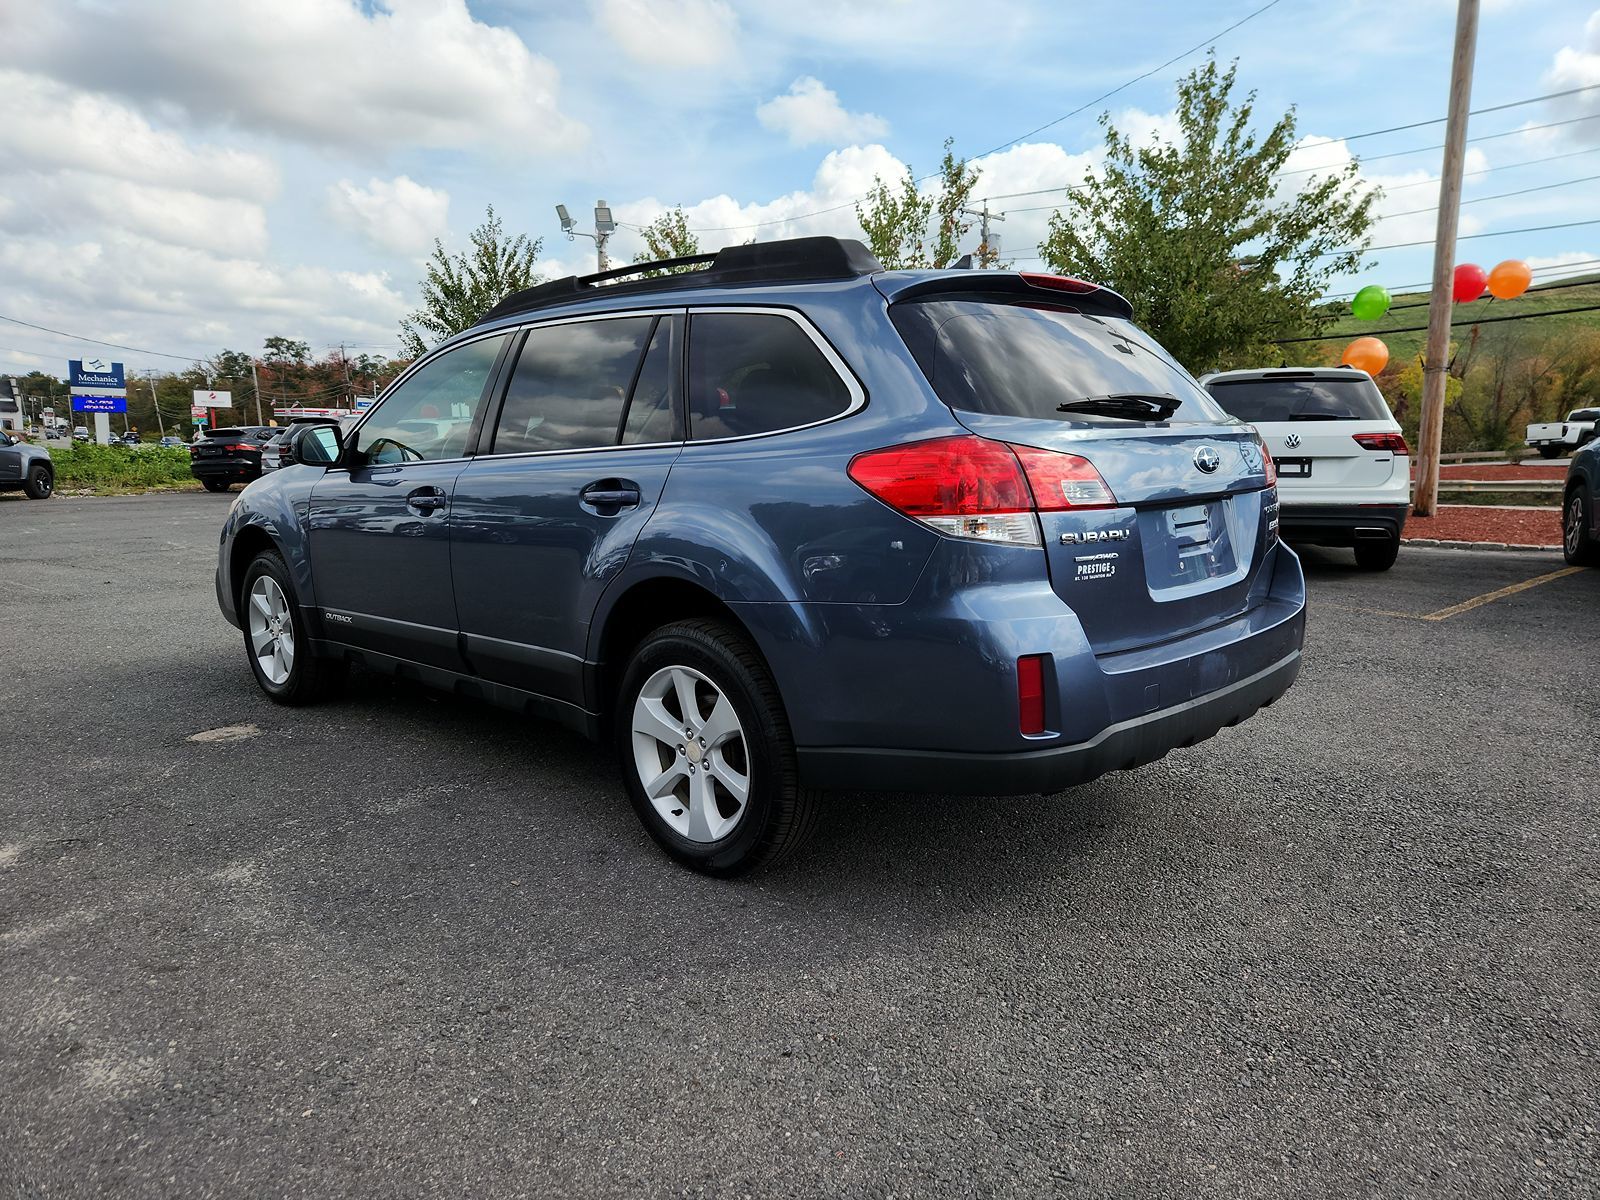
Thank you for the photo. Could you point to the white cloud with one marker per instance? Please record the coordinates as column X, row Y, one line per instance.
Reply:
column 395, row 214
column 1574, row 67
column 810, row 112
column 680, row 34
column 402, row 72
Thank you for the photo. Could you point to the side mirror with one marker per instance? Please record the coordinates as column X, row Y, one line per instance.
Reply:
column 319, row 446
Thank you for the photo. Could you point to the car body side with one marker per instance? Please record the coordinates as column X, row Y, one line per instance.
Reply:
column 878, row 623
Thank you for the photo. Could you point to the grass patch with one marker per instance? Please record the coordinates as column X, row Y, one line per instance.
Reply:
column 109, row 469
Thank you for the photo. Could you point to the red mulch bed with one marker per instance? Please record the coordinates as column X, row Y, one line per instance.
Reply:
column 1537, row 472
column 1486, row 523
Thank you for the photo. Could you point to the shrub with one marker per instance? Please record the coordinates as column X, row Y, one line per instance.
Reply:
column 94, row 466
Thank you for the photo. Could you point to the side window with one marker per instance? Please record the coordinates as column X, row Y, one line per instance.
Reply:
column 650, row 417
column 570, row 385
column 429, row 416
column 755, row 373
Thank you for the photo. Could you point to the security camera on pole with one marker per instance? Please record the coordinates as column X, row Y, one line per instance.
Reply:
column 604, row 227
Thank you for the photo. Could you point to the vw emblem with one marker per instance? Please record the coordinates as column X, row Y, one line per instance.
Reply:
column 1207, row 459
column 1292, row 440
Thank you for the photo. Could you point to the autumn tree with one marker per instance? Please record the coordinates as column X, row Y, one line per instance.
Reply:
column 1217, row 256
column 907, row 227
column 668, row 236
column 459, row 288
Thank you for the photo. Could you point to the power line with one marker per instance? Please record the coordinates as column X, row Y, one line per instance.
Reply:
column 98, row 342
column 1428, row 283
column 1554, row 312
column 1464, row 237
column 1486, row 137
column 1543, row 187
column 1477, row 112
column 1543, row 287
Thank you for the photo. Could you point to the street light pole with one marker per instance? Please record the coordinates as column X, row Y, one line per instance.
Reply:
column 604, row 227
column 1436, row 363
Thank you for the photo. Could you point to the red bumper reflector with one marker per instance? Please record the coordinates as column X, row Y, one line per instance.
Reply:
column 1030, row 693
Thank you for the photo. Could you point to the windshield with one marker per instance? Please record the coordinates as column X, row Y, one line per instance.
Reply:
column 1027, row 359
column 1286, row 399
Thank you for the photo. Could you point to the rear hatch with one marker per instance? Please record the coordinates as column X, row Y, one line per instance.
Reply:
column 1309, row 421
column 1181, row 538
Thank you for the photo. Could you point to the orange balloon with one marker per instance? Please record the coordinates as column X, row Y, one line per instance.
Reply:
column 1510, row 279
column 1367, row 354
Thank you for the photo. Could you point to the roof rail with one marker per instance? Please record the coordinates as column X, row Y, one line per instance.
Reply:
column 795, row 259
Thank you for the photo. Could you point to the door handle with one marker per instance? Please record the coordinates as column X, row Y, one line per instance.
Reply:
column 611, row 493
column 426, row 499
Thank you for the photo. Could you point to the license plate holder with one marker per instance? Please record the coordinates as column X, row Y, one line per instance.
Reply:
column 1294, row 468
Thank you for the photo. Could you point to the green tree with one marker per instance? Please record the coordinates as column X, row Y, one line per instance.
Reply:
column 896, row 218
column 668, row 236
column 1215, row 255
column 458, row 289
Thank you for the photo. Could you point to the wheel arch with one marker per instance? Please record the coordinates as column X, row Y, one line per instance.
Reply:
column 247, row 543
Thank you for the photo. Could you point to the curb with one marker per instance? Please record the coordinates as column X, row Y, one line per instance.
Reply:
column 1437, row 544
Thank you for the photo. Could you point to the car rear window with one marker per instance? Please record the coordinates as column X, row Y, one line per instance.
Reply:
column 1025, row 359
column 1284, row 399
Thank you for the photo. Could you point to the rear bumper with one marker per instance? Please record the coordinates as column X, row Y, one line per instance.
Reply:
column 232, row 469
column 1341, row 524
column 1118, row 747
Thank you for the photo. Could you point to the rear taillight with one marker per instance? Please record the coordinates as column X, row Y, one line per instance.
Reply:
column 964, row 486
column 1058, row 283
column 972, row 487
column 1030, row 693
column 1269, row 466
column 1391, row 443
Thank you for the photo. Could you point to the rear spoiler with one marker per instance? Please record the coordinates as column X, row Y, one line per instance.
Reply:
column 1078, row 293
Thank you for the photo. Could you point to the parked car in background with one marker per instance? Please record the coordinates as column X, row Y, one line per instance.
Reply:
column 789, row 523
column 1344, row 469
column 228, row 456
column 1553, row 438
column 80, row 433
column 26, row 467
column 171, row 443
column 271, row 447
column 1580, row 508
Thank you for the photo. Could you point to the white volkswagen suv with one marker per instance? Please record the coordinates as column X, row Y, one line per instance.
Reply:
column 1344, row 469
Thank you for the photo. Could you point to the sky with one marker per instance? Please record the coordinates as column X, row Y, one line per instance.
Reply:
column 183, row 176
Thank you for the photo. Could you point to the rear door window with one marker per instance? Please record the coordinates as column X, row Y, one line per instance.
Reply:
column 1289, row 399
column 650, row 416
column 1011, row 359
column 570, row 385
column 753, row 373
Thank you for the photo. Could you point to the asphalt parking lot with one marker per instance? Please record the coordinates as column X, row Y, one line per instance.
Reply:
column 402, row 945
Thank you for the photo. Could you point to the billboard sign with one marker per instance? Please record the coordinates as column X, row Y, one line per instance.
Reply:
column 95, row 376
column 209, row 399
column 198, row 411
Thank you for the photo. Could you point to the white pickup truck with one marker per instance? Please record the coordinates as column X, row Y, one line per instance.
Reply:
column 1551, row 438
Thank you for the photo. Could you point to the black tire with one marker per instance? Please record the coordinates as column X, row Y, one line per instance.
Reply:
column 41, row 481
column 310, row 678
column 216, row 485
column 1377, row 555
column 779, row 816
column 1577, row 520
column 1549, row 451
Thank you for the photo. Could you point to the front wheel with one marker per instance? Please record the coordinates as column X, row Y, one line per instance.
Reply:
column 1576, row 545
column 275, row 638
column 706, row 751
column 41, row 481
column 1378, row 554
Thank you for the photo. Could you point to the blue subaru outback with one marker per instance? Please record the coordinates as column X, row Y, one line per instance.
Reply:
column 789, row 522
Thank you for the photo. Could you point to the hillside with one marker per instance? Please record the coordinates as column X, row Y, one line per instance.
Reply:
column 1403, row 346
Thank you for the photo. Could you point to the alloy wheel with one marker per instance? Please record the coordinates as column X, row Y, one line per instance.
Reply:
column 690, row 753
column 271, row 630
column 1574, row 529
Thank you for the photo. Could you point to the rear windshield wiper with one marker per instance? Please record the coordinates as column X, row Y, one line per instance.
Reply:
column 1324, row 417
column 1125, row 406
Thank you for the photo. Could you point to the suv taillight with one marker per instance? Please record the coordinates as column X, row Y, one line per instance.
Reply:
column 1393, row 443
column 971, row 487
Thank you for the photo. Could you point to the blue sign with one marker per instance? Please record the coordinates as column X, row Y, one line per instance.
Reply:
column 107, row 404
column 95, row 373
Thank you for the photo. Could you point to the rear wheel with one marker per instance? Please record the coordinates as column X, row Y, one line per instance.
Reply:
column 1549, row 451
column 216, row 485
column 1577, row 547
column 275, row 638
column 706, row 751
column 41, row 481
column 1378, row 554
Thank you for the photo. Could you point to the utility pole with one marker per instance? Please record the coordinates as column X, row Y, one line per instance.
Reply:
column 255, row 385
column 1436, row 364
column 986, row 248
column 349, row 394
column 156, row 401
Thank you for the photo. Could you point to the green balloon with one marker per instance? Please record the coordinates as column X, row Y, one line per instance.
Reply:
column 1371, row 302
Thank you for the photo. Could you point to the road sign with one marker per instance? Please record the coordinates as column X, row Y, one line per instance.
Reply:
column 209, row 399
column 99, row 404
column 198, row 411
